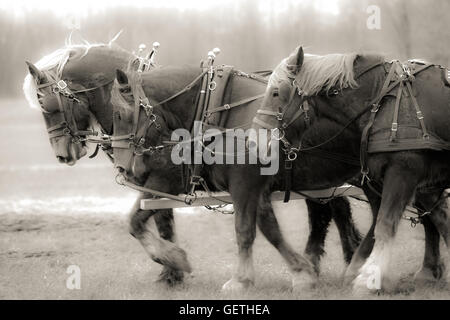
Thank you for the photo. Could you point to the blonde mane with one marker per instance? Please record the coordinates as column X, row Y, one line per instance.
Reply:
column 58, row 60
column 318, row 72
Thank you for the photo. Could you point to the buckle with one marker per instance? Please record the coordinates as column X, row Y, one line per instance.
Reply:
column 195, row 180
column 61, row 84
column 227, row 106
column 279, row 116
column 375, row 108
column 394, row 126
column 419, row 115
column 279, row 134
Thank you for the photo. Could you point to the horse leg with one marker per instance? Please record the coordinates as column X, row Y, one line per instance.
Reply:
column 399, row 187
column 433, row 267
column 165, row 224
column 302, row 271
column 245, row 227
column 366, row 246
column 350, row 236
column 160, row 250
column 435, row 224
column 319, row 217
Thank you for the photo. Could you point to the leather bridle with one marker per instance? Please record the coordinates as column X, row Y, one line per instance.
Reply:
column 278, row 133
column 303, row 110
column 67, row 99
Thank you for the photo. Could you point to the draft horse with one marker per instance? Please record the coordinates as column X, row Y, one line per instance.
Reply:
column 393, row 119
column 85, row 95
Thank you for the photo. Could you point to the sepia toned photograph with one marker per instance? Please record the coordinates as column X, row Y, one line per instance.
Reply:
column 225, row 150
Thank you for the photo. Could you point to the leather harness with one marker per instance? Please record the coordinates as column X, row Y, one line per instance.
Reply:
column 206, row 106
column 403, row 81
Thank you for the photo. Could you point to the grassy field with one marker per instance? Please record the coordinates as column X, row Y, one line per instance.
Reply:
column 53, row 216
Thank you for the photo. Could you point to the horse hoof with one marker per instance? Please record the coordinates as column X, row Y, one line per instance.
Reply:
column 170, row 277
column 368, row 280
column 427, row 275
column 174, row 258
column 303, row 281
column 234, row 285
column 360, row 288
column 369, row 283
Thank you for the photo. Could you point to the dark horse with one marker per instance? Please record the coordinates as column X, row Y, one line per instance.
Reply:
column 90, row 71
column 340, row 91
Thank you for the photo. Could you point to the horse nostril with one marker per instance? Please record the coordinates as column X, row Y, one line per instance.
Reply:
column 61, row 159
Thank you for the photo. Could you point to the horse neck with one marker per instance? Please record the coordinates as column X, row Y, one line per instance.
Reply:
column 351, row 102
column 159, row 84
column 98, row 69
column 101, row 107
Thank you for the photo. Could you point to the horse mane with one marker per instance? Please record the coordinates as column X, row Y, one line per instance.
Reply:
column 318, row 72
column 58, row 59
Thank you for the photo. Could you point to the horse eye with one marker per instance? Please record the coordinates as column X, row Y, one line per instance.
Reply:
column 125, row 89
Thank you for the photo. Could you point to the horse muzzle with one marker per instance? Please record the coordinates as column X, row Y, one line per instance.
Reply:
column 67, row 151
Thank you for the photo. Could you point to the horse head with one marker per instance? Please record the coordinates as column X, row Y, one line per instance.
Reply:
column 297, row 85
column 69, row 86
column 141, row 127
column 282, row 100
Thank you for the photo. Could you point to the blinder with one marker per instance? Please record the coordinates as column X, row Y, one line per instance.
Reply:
column 66, row 101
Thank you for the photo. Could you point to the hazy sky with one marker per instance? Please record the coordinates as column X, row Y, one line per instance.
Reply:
column 82, row 7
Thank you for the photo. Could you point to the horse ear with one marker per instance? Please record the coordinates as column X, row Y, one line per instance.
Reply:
column 295, row 62
column 37, row 75
column 121, row 77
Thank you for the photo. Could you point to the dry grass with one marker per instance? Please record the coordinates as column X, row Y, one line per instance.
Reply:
column 37, row 249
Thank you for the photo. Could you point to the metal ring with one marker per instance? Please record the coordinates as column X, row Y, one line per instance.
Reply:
column 152, row 117
column 212, row 86
column 292, row 156
column 66, row 131
column 190, row 198
column 279, row 116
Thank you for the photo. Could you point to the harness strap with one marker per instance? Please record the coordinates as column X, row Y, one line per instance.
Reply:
column 418, row 111
column 301, row 110
column 394, row 127
column 263, row 124
column 365, row 134
column 387, row 87
column 288, row 179
column 185, row 89
column 234, row 104
column 269, row 113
